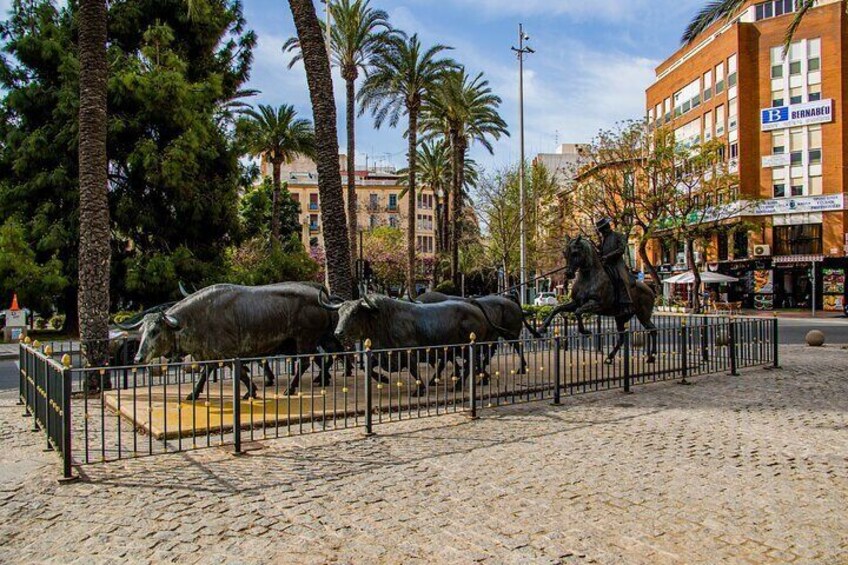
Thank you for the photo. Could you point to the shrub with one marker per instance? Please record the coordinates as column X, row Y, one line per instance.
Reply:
column 447, row 287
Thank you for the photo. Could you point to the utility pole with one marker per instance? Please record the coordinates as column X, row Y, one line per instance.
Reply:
column 329, row 26
column 521, row 51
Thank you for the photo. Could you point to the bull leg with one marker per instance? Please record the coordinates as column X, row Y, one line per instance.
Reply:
column 325, row 364
column 251, row 388
column 269, row 374
column 519, row 350
column 420, row 388
column 201, row 382
column 299, row 368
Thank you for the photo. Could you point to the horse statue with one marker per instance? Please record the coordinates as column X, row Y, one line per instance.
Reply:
column 593, row 293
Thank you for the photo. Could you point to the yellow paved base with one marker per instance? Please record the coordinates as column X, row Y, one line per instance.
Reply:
column 172, row 416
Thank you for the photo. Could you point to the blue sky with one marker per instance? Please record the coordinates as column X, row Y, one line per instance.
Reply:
column 593, row 61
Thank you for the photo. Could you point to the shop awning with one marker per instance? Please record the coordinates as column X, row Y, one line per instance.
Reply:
column 707, row 277
column 797, row 259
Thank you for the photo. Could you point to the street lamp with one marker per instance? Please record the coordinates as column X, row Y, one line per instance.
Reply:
column 521, row 51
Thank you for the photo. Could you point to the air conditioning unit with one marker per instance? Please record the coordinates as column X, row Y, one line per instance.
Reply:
column 762, row 251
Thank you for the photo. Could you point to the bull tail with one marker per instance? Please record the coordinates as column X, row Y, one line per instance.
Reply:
column 530, row 328
column 503, row 331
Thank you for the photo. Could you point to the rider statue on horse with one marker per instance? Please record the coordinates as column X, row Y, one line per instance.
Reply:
column 612, row 249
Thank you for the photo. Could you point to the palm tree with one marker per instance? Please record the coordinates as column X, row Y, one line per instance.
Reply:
column 314, row 53
column 433, row 172
column 94, row 228
column 464, row 110
column 357, row 31
column 278, row 135
column 727, row 9
column 402, row 73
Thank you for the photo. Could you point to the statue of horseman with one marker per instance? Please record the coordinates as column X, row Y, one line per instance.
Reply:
column 612, row 249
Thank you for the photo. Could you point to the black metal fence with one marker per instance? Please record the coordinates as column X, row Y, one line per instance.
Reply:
column 110, row 413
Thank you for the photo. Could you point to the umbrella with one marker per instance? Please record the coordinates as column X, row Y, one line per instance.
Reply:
column 707, row 277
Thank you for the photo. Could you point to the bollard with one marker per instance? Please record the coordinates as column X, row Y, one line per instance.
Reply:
column 369, row 395
column 557, row 376
column 472, row 384
column 732, row 332
column 236, row 406
column 774, row 340
column 627, row 359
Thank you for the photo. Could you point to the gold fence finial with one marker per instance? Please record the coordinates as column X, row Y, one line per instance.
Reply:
column 473, row 337
column 66, row 361
column 367, row 345
column 48, row 350
column 27, row 340
column 36, row 344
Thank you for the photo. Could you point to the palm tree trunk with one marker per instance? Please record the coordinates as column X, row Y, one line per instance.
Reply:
column 352, row 219
column 411, row 194
column 94, row 228
column 453, row 204
column 646, row 260
column 336, row 242
column 276, row 166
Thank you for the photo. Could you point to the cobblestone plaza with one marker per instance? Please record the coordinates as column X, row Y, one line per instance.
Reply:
column 748, row 469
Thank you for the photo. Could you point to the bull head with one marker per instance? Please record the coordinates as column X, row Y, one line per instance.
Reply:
column 334, row 304
column 368, row 303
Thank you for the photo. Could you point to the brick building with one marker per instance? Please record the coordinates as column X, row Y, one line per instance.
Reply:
column 782, row 119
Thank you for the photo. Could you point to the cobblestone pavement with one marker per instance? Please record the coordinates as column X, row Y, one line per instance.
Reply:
column 749, row 469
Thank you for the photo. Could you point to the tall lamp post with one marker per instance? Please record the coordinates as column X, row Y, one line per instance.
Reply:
column 521, row 51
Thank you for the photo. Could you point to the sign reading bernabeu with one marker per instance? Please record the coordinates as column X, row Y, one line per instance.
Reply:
column 782, row 117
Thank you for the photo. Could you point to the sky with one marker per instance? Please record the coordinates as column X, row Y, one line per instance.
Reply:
column 593, row 61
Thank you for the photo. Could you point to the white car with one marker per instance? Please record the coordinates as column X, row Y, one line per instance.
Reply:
column 546, row 299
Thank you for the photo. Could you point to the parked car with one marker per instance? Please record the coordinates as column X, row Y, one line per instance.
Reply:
column 546, row 299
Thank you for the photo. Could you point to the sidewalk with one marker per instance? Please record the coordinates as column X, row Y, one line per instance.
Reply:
column 8, row 350
column 795, row 314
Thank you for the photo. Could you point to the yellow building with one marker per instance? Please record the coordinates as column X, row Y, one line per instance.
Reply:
column 379, row 201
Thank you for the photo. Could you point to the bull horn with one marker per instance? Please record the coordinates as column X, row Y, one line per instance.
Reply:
column 183, row 290
column 324, row 304
column 368, row 302
column 171, row 321
column 130, row 327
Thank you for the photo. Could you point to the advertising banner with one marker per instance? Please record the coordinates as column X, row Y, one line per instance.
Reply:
column 782, row 117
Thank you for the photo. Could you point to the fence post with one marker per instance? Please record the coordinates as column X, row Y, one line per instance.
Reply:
column 684, row 350
column 598, row 330
column 369, row 395
column 472, row 384
column 774, row 339
column 732, row 345
column 557, row 373
column 48, row 395
column 627, row 358
column 26, row 367
column 21, row 377
column 236, row 406
column 67, row 452
column 705, row 330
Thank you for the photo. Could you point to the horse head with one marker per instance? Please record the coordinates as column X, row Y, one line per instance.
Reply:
column 577, row 255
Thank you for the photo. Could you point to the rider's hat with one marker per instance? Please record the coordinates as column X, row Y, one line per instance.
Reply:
column 602, row 223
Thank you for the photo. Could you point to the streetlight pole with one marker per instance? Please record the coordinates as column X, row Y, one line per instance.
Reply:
column 329, row 26
column 521, row 51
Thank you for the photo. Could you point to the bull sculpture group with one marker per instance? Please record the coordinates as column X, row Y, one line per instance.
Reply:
column 226, row 321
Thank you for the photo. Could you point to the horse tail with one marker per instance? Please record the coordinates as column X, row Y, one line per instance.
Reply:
column 503, row 331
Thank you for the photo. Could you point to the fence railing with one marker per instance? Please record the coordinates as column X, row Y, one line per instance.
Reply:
column 109, row 413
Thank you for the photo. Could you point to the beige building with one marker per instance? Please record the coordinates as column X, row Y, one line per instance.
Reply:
column 379, row 201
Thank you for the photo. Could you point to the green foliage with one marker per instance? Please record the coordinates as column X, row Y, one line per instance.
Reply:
column 37, row 284
column 258, row 261
column 173, row 166
column 447, row 287
column 255, row 212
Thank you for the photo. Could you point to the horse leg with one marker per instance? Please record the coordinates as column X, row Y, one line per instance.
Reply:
column 581, row 329
column 620, row 327
column 201, row 382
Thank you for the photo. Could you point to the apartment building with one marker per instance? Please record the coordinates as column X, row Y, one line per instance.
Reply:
column 379, row 201
column 781, row 117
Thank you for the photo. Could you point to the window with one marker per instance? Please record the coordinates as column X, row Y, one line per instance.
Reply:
column 797, row 187
column 313, row 201
column 777, row 98
column 373, row 222
column 719, row 77
column 722, row 247
column 779, row 189
column 719, row 121
column 296, row 199
column 708, row 126
column 813, row 55
column 773, row 9
column 373, row 201
column 740, row 244
column 815, row 185
column 778, row 143
column 733, row 119
column 814, row 92
column 815, row 145
column 777, row 71
column 708, row 85
column 667, row 108
column 393, row 201
column 796, row 144
column 731, row 71
column 734, row 150
column 794, row 68
column 805, row 239
column 393, row 221
column 313, row 222
column 687, row 98
column 796, row 95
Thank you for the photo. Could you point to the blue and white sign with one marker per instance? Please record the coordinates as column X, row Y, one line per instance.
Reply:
column 781, row 117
